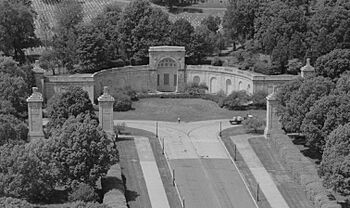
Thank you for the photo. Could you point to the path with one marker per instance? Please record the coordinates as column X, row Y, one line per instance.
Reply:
column 204, row 172
column 267, row 185
column 151, row 174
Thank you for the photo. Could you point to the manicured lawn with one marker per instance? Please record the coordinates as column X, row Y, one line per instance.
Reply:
column 292, row 192
column 187, row 109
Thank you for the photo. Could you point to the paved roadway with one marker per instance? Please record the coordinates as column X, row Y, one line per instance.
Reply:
column 204, row 172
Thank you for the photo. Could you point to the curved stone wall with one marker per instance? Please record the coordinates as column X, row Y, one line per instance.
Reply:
column 140, row 78
column 144, row 78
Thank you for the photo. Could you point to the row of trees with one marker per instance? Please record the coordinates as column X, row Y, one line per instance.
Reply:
column 319, row 108
column 288, row 31
column 117, row 37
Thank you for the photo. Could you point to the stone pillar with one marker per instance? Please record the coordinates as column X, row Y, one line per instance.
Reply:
column 39, row 77
column 307, row 70
column 105, row 102
column 35, row 115
column 271, row 103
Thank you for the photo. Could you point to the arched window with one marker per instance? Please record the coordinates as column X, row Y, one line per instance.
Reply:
column 167, row 62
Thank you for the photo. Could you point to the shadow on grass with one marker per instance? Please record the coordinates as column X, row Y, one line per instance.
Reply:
column 306, row 150
column 129, row 195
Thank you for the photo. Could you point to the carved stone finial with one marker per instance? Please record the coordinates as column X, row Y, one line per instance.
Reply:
column 105, row 90
column 35, row 89
column 308, row 62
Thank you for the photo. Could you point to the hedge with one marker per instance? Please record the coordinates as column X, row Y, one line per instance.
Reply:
column 113, row 188
column 303, row 170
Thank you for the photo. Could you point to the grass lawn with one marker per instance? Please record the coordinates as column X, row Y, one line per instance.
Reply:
column 292, row 192
column 158, row 109
column 136, row 188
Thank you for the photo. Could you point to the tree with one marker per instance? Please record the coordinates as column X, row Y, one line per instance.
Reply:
column 329, row 29
column 107, row 23
column 238, row 22
column 82, row 151
column 284, row 110
column 11, row 67
column 212, row 23
column 26, row 172
column 343, row 84
column 181, row 33
column 142, row 26
column 236, row 100
column 16, row 28
column 333, row 64
column 49, row 60
column 151, row 30
column 259, row 98
column 309, row 92
column 335, row 164
column 15, row 90
column 201, row 45
column 69, row 14
column 92, row 50
column 12, row 130
column 70, row 103
column 326, row 115
column 253, row 124
column 280, row 31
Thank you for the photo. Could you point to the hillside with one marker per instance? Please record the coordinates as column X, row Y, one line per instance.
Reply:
column 195, row 14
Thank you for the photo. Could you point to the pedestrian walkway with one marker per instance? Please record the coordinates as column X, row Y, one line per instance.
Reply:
column 151, row 174
column 266, row 183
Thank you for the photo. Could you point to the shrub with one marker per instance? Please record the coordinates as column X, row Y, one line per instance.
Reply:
column 130, row 92
column 216, row 61
column 253, row 124
column 237, row 100
column 119, row 63
column 259, row 99
column 196, row 89
column 9, row 202
column 83, row 192
column 122, row 102
column 81, row 204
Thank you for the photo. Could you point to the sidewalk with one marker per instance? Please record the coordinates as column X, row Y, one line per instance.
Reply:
column 267, row 185
column 151, row 174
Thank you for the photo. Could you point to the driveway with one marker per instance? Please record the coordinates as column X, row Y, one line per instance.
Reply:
column 204, row 172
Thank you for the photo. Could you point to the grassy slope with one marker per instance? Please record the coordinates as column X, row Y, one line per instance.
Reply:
column 187, row 109
column 93, row 7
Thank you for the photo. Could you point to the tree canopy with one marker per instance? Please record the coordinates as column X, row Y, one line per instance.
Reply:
column 335, row 164
column 16, row 28
column 70, row 103
column 333, row 64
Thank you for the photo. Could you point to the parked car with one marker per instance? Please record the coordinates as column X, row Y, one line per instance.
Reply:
column 238, row 119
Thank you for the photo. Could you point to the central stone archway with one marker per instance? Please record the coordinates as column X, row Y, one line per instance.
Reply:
column 167, row 72
column 167, row 67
